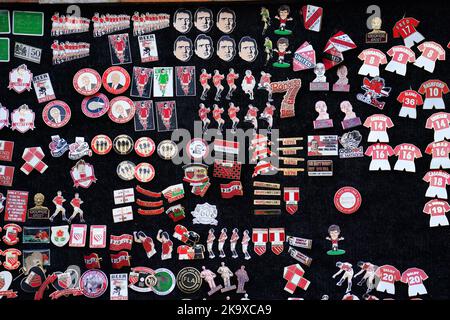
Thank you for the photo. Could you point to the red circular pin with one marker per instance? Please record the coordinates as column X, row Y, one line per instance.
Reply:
column 95, row 106
column 144, row 172
column 116, row 80
column 87, row 82
column 56, row 114
column 121, row 109
column 347, row 200
column 144, row 147
column 101, row 144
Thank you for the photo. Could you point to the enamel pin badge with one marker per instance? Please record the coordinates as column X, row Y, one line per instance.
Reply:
column 20, row 79
column 82, row 174
column 334, row 232
column 22, row 119
column 374, row 89
column 43, row 88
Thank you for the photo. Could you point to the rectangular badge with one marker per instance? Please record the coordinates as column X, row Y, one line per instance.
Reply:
column 166, row 116
column 26, row 52
column 28, row 23
column 261, row 184
column 320, row 168
column 162, row 82
column 6, row 176
column 118, row 286
column 4, row 50
column 266, row 202
column 292, row 141
column 36, row 235
column 119, row 49
column 147, row 48
column 78, row 235
column 122, row 196
column 122, row 214
column 44, row 252
column 259, row 192
column 185, row 81
column 5, row 24
column 144, row 119
column 141, row 83
column 122, row 242
column 43, row 88
column 226, row 169
column 267, row 212
column 16, row 206
column 322, row 145
column 97, row 238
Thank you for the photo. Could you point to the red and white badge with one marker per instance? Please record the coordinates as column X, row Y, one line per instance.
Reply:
column 120, row 260
column 92, row 261
column 6, row 150
column 229, row 190
column 11, row 258
column 78, row 235
column 97, row 237
column 101, row 144
column 11, row 236
column 144, row 172
column 291, row 197
column 56, row 114
column 16, row 206
column 144, row 147
column 33, row 160
column 22, row 119
column 95, row 106
column 122, row 242
column 347, row 200
column 122, row 196
column 82, row 174
column 312, row 17
column 93, row 283
column 87, row 81
column 116, row 80
column 20, row 79
column 304, row 57
column 4, row 117
column 6, row 176
column 197, row 148
column 121, row 109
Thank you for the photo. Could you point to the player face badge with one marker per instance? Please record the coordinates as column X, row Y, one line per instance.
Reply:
column 121, row 109
column 185, row 81
column 182, row 20
column 166, row 112
column 248, row 49
column 56, row 114
column 141, row 84
column 93, row 283
column 203, row 19
column 87, row 82
column 82, row 174
column 203, row 46
column 4, row 117
column 20, row 79
column 226, row 20
column 143, row 118
column 95, row 106
column 144, row 147
column 183, row 48
column 144, row 172
column 119, row 46
column 22, row 119
column 101, row 144
column 226, row 48
column 43, row 88
column 116, row 80
column 163, row 82
column 60, row 235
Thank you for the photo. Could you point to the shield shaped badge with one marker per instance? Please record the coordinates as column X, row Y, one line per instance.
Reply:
column 60, row 235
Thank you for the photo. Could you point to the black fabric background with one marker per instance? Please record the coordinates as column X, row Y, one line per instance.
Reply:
column 389, row 228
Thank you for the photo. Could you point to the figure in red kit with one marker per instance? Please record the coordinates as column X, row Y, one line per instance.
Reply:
column 147, row 243
column 217, row 81
column 76, row 204
column 348, row 274
column 231, row 77
column 217, row 116
column 232, row 114
column 203, row 115
column 59, row 201
column 267, row 115
column 204, row 77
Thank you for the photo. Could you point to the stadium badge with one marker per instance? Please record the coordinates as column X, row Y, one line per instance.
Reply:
column 56, row 114
column 121, row 109
column 123, row 144
column 144, row 172
column 347, row 200
column 93, row 283
column 116, row 80
column 189, row 280
column 82, row 174
column 101, row 144
column 87, row 82
column 95, row 106
column 60, row 235
column 144, row 147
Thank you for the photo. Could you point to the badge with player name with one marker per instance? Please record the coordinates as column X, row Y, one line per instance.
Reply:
column 141, row 84
column 87, row 82
column 326, row 145
column 43, row 88
column 38, row 211
column 376, row 35
column 350, row 142
column 304, row 57
column 320, row 168
column 101, row 144
column 56, row 114
column 143, row 118
column 95, row 106
column 116, row 80
column 118, row 286
column 142, row 279
column 22, row 119
column 350, row 119
column 20, row 79
column 323, row 119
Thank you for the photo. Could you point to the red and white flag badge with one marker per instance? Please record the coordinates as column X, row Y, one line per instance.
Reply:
column 6, row 150
column 120, row 260
column 122, row 242
column 277, row 237
column 312, row 17
column 225, row 146
column 260, row 236
column 232, row 189
column 291, row 197
column 336, row 45
column 294, row 276
column 92, row 261
column 33, row 160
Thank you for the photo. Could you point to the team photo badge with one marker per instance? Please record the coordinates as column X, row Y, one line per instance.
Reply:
column 20, row 79
column 56, row 114
column 95, row 106
column 43, row 88
column 166, row 112
column 87, row 82
column 141, row 84
column 185, row 81
column 143, row 117
column 163, row 82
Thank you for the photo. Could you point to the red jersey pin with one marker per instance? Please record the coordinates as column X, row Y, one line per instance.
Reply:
column 121, row 110
column 87, row 82
column 116, row 80
column 144, row 147
column 347, row 200
column 101, row 144
column 144, row 172
column 56, row 114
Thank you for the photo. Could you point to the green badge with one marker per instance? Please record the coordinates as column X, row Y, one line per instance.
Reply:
column 4, row 50
column 165, row 282
column 5, row 26
column 28, row 23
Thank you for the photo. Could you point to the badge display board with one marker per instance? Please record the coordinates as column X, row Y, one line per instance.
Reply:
column 389, row 227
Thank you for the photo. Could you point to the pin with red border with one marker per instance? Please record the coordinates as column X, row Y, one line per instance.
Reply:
column 101, row 144
column 82, row 174
column 197, row 149
column 121, row 109
column 116, row 80
column 87, row 82
column 92, row 261
column 56, row 114
column 11, row 236
column 347, row 200
column 144, row 172
column 93, row 283
column 95, row 106
column 144, row 147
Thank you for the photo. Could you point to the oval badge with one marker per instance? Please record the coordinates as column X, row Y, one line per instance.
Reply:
column 56, row 114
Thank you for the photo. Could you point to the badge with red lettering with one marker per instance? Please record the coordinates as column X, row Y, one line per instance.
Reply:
column 291, row 197
column 119, row 48
column 347, row 200
column 11, row 236
column 4, row 117
column 121, row 109
column 116, row 80
column 6, row 150
column 11, row 258
column 141, row 84
column 290, row 88
column 22, row 119
column 43, row 88
column 97, row 237
column 143, row 117
column 304, row 57
column 120, row 260
column 101, row 144
column 431, row 52
column 82, row 174
column 93, row 283
column 334, row 232
column 166, row 115
column 185, row 81
column 144, row 172
column 374, row 89
column 144, row 147
column 20, row 79
column 312, row 17
column 92, row 261
column 56, row 114
column 95, row 106
column 87, row 82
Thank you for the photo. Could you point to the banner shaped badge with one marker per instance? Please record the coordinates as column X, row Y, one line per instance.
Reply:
column 120, row 260
column 304, row 57
column 92, row 261
column 291, row 197
column 229, row 190
column 122, row 242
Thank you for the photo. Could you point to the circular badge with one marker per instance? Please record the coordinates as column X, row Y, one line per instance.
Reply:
column 123, row 144
column 197, row 149
column 121, row 109
column 165, row 282
column 95, row 106
column 87, row 82
column 142, row 279
column 101, row 144
column 116, row 80
column 189, row 280
column 347, row 200
column 167, row 149
column 144, row 147
column 125, row 170
column 93, row 283
column 144, row 172
column 56, row 114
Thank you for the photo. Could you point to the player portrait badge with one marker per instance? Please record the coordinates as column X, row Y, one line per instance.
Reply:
column 43, row 88
column 60, row 235
column 20, row 79
column 95, row 106
column 118, row 286
column 93, row 283
column 141, row 84
column 203, row 19
column 116, row 80
column 163, row 82
column 248, row 49
column 148, row 48
column 376, row 35
column 185, row 81
column 166, row 112
column 121, row 109
column 4, row 117
column 183, row 48
column 143, row 117
column 87, row 82
column 119, row 48
column 56, row 114
column 22, row 119
column 82, row 174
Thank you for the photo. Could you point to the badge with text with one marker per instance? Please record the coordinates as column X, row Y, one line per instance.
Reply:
column 6, row 176
column 56, row 114
column 116, row 80
column 20, row 79
column 22, row 119
column 118, row 284
column 16, row 206
column 27, row 52
column 320, row 168
column 323, row 145
column 162, row 82
column 43, row 88
column 6, row 150
column 97, row 237
column 148, row 48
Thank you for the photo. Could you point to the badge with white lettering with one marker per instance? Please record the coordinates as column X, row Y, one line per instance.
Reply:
column 95, row 106
column 78, row 234
column 16, row 205
column 165, row 283
column 22, row 119
column 323, row 145
column 122, row 242
column 87, row 82
column 304, row 57
column 43, row 88
column 101, row 144
column 20, row 79
column 232, row 189
column 144, row 147
column 144, row 172
column 92, row 261
column 82, row 174
column 376, row 35
column 142, row 279
column 341, row 85
column 147, row 48
column 189, row 280
column 56, row 114
column 116, row 80
column 323, row 119
column 4, row 117
column 166, row 116
column 141, row 84
column 374, row 89
column 167, row 149
column 320, row 81
column 431, row 52
column 336, row 45
column 123, row 144
column 143, row 117
column 334, row 233
column 121, row 109
column 120, row 260
column 38, row 211
column 437, row 209
column 93, row 283
column 60, row 235
column 79, row 149
column 406, row 154
column 347, row 200
column 125, row 170
column 118, row 286
column 119, row 48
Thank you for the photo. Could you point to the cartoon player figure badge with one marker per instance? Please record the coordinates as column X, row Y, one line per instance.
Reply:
column 348, row 274
column 350, row 119
column 267, row 115
column 163, row 82
column 203, row 115
column 242, row 279
column 210, row 243
column 265, row 18
column 217, row 82
column 320, row 81
column 251, row 116
column 281, row 50
column 167, row 245
column 334, row 236
column 244, row 242
column 119, row 46
column 268, row 49
column 233, row 241
column 226, row 275
column 232, row 114
column 76, row 204
column 204, row 77
column 147, row 243
column 59, row 201
column 248, row 84
column 217, row 116
column 374, row 89
column 341, row 84
column 264, row 84
column 283, row 18
column 209, row 276
column 231, row 77
column 323, row 119
column 221, row 242
column 20, row 79
column 376, row 35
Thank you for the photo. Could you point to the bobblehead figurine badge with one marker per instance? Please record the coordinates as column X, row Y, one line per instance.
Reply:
column 282, row 51
column 323, row 119
column 334, row 233
column 320, row 82
column 283, row 18
column 376, row 35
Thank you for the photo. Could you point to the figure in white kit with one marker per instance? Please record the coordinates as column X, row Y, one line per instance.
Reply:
column 348, row 274
column 248, row 84
column 58, row 201
column 222, row 238
column 245, row 240
column 76, row 204
column 233, row 241
column 210, row 243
